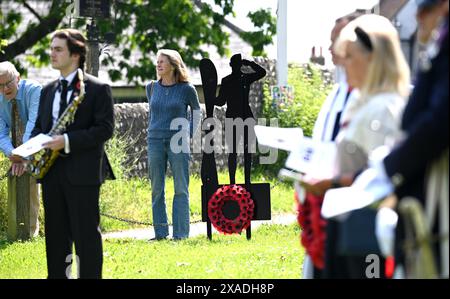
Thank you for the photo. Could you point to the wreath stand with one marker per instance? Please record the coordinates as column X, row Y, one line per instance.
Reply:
column 229, row 208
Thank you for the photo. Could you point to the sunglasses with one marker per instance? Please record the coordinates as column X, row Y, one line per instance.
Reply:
column 7, row 84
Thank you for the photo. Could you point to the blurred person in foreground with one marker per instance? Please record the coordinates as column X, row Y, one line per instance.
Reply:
column 418, row 166
column 375, row 65
column 328, row 120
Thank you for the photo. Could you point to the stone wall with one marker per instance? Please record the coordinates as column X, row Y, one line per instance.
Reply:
column 132, row 122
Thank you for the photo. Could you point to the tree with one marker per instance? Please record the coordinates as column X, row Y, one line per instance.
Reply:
column 3, row 43
column 138, row 25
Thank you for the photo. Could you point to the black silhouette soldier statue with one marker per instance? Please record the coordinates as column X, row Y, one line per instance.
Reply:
column 231, row 208
column 234, row 91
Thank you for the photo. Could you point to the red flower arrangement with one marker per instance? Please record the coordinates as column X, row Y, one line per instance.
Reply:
column 313, row 228
column 246, row 208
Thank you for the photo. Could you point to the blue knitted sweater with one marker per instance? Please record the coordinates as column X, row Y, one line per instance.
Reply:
column 169, row 102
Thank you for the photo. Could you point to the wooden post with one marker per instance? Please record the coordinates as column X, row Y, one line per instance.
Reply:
column 21, row 191
column 92, row 59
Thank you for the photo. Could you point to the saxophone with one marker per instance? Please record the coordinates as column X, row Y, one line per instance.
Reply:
column 41, row 161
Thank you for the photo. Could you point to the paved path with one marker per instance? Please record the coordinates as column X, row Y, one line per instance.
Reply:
column 195, row 229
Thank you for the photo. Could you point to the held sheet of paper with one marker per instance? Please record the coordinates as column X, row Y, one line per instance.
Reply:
column 32, row 146
column 307, row 156
column 315, row 158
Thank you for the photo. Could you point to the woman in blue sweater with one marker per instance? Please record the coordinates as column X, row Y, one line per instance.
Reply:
column 169, row 98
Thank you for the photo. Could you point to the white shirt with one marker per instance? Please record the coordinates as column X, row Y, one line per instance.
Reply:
column 56, row 100
column 333, row 106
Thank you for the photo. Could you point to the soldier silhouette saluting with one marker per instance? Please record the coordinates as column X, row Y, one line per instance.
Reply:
column 234, row 91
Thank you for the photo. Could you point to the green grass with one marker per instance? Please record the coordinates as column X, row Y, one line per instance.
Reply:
column 273, row 252
column 131, row 199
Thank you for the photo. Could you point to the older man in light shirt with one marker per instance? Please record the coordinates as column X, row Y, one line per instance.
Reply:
column 19, row 103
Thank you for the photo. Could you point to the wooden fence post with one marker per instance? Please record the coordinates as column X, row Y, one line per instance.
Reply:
column 21, row 191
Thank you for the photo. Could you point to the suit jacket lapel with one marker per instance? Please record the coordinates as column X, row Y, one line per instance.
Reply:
column 49, row 106
column 75, row 89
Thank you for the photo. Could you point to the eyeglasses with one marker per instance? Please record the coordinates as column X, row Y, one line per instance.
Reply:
column 7, row 84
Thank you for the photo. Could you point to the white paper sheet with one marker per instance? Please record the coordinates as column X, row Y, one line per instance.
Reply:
column 367, row 189
column 315, row 158
column 287, row 139
column 342, row 200
column 307, row 156
column 32, row 146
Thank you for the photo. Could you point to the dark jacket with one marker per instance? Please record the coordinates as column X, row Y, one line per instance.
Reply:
column 425, row 122
column 86, row 164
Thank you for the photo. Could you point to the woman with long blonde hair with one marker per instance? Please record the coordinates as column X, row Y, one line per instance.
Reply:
column 169, row 99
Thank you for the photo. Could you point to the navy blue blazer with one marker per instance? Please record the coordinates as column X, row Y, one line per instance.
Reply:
column 425, row 122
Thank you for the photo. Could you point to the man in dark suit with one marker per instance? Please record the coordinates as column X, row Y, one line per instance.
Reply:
column 72, row 185
column 234, row 91
column 425, row 121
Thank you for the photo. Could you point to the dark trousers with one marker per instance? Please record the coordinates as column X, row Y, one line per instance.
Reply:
column 335, row 265
column 71, row 216
column 339, row 265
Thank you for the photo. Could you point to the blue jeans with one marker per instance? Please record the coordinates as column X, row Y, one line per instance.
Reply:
column 159, row 153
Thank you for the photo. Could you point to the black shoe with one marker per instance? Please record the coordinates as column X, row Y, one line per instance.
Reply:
column 157, row 239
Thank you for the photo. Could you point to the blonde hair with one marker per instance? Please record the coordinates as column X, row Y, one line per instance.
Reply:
column 7, row 68
column 388, row 70
column 180, row 71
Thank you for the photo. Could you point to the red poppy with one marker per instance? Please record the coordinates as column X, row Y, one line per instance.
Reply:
column 77, row 86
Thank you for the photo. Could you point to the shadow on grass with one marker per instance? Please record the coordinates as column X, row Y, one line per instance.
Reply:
column 4, row 243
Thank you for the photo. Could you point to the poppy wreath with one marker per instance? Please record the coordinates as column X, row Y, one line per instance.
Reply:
column 246, row 208
column 313, row 228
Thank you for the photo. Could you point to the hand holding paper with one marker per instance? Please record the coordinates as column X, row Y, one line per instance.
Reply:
column 369, row 187
column 315, row 158
column 316, row 186
column 32, row 146
column 307, row 156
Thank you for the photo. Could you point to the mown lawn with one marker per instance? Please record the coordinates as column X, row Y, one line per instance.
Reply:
column 273, row 252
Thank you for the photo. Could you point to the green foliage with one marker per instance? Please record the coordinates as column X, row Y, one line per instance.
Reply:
column 40, row 55
column 262, row 37
column 116, row 149
column 143, row 26
column 309, row 94
column 3, row 43
column 24, row 34
column 13, row 19
column 301, row 111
